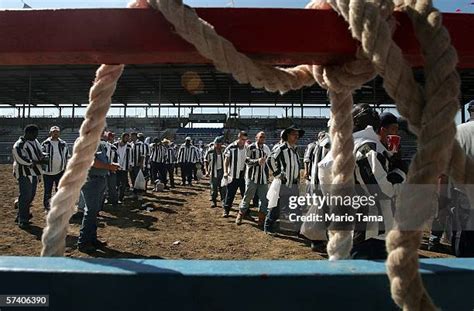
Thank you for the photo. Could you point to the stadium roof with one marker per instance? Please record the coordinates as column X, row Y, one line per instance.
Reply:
column 33, row 45
column 141, row 85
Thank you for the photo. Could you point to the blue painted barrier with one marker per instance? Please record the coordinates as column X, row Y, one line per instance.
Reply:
column 121, row 284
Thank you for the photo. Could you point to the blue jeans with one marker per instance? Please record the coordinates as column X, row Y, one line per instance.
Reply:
column 110, row 190
column 50, row 181
column 122, row 183
column 170, row 172
column 238, row 183
column 82, row 203
column 216, row 187
column 93, row 190
column 162, row 173
column 112, row 195
column 282, row 205
column 27, row 194
column 154, row 172
column 251, row 189
column 187, row 172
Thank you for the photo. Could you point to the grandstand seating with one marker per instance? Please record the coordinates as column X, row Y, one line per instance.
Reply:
column 206, row 135
column 11, row 130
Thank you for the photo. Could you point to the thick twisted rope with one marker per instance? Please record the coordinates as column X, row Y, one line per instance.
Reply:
column 413, row 210
column 341, row 81
column 342, row 145
column 373, row 30
column 402, row 264
column 62, row 204
column 245, row 70
column 435, row 141
column 225, row 56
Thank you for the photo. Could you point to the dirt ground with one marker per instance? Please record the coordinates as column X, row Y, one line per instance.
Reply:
column 182, row 214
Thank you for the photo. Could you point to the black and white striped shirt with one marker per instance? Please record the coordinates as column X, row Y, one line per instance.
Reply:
column 57, row 150
column 170, row 155
column 201, row 154
column 370, row 177
column 256, row 172
column 24, row 153
column 140, row 151
column 124, row 154
column 188, row 154
column 309, row 154
column 284, row 159
column 320, row 152
column 158, row 153
column 214, row 160
column 236, row 157
column 112, row 154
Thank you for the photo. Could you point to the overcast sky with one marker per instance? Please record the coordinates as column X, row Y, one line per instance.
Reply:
column 444, row 5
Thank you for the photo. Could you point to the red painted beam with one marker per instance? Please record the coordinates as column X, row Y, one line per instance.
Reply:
column 137, row 36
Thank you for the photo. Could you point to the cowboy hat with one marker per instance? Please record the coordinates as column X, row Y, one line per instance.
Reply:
column 290, row 129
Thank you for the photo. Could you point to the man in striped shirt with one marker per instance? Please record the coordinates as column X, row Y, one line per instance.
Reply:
column 146, row 164
column 28, row 158
column 285, row 165
column 111, row 178
column 370, row 176
column 125, row 160
column 234, row 170
column 187, row 158
column 256, row 178
column 176, row 150
column 214, row 165
column 309, row 155
column 170, row 162
column 132, row 140
column 140, row 152
column 320, row 151
column 317, row 234
column 200, row 155
column 372, row 166
column 158, row 154
column 58, row 152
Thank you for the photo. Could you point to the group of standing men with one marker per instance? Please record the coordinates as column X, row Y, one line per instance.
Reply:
column 116, row 164
column 34, row 162
column 241, row 165
column 247, row 167
column 132, row 157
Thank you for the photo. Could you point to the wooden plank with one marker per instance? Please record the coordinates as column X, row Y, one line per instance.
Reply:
column 141, row 284
column 141, row 36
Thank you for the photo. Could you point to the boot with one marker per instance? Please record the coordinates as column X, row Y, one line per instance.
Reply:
column 261, row 219
column 268, row 227
column 248, row 217
column 238, row 220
